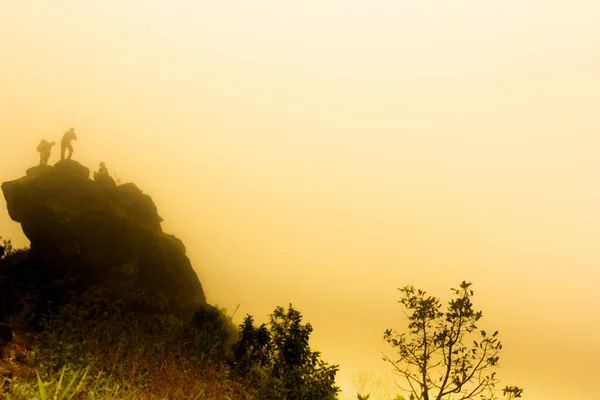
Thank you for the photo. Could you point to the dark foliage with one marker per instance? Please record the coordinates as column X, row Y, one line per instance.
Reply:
column 210, row 333
column 444, row 355
column 277, row 359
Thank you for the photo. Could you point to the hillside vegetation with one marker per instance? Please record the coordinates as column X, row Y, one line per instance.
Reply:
column 105, row 305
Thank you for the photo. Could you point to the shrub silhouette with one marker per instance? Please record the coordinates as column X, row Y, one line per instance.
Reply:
column 210, row 334
column 444, row 355
column 277, row 359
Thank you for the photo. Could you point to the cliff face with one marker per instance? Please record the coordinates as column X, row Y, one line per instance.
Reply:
column 105, row 238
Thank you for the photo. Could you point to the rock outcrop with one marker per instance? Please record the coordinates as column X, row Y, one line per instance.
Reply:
column 106, row 238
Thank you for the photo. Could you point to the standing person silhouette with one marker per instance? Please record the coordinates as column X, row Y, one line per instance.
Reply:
column 65, row 143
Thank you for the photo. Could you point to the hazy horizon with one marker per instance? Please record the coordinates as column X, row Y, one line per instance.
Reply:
column 327, row 153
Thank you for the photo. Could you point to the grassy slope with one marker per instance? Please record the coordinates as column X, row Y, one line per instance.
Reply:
column 97, row 352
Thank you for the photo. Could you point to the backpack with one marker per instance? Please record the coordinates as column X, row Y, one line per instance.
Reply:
column 43, row 144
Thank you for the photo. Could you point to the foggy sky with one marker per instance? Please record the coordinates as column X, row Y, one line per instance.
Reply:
column 325, row 153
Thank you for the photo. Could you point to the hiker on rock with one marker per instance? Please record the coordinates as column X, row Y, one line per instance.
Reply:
column 65, row 143
column 103, row 178
column 45, row 148
column 102, row 172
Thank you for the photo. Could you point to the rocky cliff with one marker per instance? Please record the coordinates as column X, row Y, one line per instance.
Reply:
column 104, row 238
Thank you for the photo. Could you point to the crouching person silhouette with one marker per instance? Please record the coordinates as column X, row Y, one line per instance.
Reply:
column 45, row 148
column 102, row 172
column 102, row 176
column 65, row 144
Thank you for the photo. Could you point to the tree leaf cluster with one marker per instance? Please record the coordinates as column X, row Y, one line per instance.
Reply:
column 444, row 355
column 277, row 358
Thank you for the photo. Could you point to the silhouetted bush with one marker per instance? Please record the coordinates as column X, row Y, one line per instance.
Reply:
column 277, row 359
column 210, row 334
column 450, row 339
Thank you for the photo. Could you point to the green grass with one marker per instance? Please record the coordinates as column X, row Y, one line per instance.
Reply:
column 94, row 350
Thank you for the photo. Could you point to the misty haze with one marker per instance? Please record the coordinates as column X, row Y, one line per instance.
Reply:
column 376, row 200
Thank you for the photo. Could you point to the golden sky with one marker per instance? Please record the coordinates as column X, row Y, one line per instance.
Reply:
column 327, row 152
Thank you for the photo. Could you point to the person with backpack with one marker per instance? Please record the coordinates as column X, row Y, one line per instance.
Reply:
column 45, row 148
